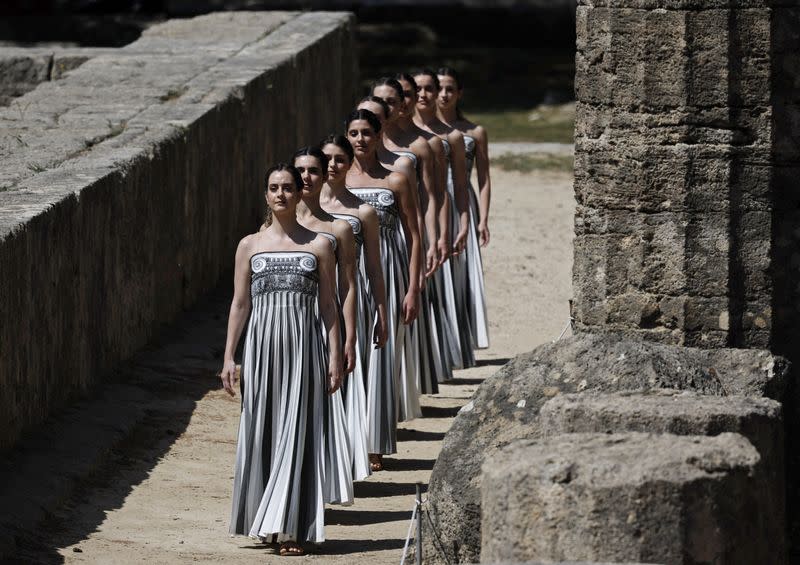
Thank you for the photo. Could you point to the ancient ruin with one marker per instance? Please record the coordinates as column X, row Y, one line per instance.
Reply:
column 112, row 217
column 686, row 156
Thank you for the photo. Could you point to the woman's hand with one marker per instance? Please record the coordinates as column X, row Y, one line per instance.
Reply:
column 410, row 306
column 483, row 233
column 381, row 333
column 460, row 242
column 431, row 262
column 228, row 376
column 349, row 357
column 334, row 376
column 444, row 250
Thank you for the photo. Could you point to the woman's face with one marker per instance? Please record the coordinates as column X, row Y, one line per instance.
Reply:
column 361, row 135
column 392, row 99
column 375, row 108
column 312, row 174
column 338, row 161
column 448, row 92
column 426, row 92
column 282, row 193
column 409, row 98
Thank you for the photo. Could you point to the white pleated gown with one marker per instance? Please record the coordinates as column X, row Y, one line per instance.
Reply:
column 457, row 293
column 479, row 323
column 431, row 368
column 385, row 386
column 338, row 454
column 279, row 476
column 354, row 387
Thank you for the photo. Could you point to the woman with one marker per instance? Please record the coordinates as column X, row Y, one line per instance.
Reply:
column 391, row 380
column 426, row 119
column 280, row 273
column 476, row 142
column 363, row 220
column 312, row 165
column 420, row 338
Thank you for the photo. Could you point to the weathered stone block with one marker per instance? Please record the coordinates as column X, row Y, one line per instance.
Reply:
column 629, row 496
column 506, row 407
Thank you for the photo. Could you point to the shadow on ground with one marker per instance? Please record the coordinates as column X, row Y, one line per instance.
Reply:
column 148, row 402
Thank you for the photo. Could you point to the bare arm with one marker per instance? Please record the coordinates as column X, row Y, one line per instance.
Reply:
column 484, row 183
column 239, row 312
column 328, row 309
column 346, row 250
column 458, row 162
column 429, row 199
column 372, row 258
column 443, row 212
column 408, row 216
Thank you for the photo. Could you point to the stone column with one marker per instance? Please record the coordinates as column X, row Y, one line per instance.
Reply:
column 686, row 166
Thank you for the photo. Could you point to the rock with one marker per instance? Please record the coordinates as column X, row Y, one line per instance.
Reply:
column 626, row 497
column 602, row 363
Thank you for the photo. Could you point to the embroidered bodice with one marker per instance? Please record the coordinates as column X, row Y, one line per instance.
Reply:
column 382, row 199
column 288, row 271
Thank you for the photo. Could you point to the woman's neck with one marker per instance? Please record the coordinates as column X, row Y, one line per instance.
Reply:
column 427, row 116
column 333, row 191
column 284, row 224
column 363, row 164
column 448, row 115
column 309, row 207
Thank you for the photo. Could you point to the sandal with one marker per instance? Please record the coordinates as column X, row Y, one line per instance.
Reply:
column 291, row 548
column 375, row 462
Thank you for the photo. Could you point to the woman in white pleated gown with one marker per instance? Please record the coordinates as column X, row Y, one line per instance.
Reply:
column 312, row 164
column 391, row 195
column 476, row 142
column 458, row 295
column 370, row 292
column 284, row 285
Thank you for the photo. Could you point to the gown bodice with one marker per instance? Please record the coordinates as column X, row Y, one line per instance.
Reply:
column 330, row 237
column 355, row 224
column 283, row 271
column 411, row 155
column 382, row 199
column 469, row 145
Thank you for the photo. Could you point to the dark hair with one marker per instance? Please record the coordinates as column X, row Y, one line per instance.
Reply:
column 390, row 82
column 451, row 72
column 339, row 141
column 430, row 73
column 380, row 102
column 364, row 115
column 316, row 152
column 406, row 77
column 291, row 169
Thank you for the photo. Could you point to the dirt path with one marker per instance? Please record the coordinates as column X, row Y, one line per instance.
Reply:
column 165, row 496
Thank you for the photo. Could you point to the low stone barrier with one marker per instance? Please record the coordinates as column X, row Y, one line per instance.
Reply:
column 623, row 497
column 506, row 407
column 126, row 185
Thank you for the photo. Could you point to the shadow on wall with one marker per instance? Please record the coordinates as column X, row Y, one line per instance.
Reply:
column 785, row 260
column 148, row 407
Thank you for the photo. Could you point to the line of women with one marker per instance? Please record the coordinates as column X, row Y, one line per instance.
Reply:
column 362, row 290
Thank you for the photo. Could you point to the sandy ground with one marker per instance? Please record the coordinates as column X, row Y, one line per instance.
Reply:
column 164, row 497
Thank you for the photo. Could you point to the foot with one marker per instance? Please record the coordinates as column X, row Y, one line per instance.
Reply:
column 376, row 462
column 291, row 548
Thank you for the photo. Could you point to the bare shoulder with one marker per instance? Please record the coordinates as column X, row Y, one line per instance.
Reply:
column 367, row 213
column 479, row 133
column 421, row 147
column 247, row 243
column 435, row 143
column 397, row 182
column 322, row 247
column 455, row 136
column 342, row 229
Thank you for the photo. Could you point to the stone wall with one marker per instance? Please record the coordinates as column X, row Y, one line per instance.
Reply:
column 686, row 144
column 126, row 185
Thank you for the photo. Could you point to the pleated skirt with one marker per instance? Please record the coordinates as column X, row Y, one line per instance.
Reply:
column 459, row 292
column 383, row 374
column 279, row 478
column 479, row 323
column 355, row 385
